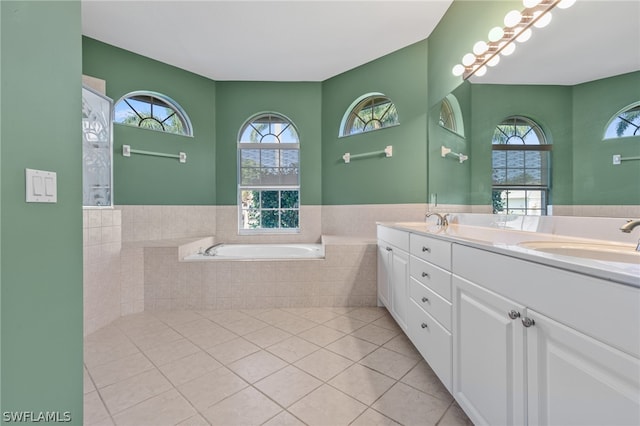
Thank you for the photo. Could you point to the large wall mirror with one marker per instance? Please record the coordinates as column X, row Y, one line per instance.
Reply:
column 568, row 79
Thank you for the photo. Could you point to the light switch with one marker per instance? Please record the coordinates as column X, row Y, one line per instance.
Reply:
column 41, row 186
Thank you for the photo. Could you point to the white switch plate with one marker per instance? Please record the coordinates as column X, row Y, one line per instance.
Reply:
column 616, row 159
column 41, row 186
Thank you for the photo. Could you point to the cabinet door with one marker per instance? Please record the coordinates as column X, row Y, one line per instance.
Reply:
column 399, row 283
column 576, row 380
column 488, row 356
column 384, row 273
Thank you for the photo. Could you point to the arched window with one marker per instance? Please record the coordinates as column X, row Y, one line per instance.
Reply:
column 150, row 110
column 269, row 175
column 624, row 123
column 451, row 115
column 521, row 160
column 369, row 112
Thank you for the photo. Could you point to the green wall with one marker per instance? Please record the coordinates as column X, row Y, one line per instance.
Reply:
column 41, row 245
column 596, row 180
column 143, row 179
column 236, row 102
column 402, row 76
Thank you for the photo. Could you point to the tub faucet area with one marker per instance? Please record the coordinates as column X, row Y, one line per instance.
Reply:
column 628, row 227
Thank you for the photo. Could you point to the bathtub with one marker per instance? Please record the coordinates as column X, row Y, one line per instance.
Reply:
column 261, row 251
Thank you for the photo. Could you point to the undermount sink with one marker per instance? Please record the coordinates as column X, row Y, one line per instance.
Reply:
column 597, row 251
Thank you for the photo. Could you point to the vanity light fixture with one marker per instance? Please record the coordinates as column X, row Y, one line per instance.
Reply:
column 518, row 27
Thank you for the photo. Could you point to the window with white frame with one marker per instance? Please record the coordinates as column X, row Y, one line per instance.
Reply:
column 268, row 175
column 625, row 123
column 521, row 162
column 369, row 112
column 151, row 110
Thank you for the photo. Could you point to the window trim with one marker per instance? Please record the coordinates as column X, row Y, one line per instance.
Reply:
column 175, row 106
column 628, row 108
column 360, row 100
column 239, row 187
column 455, row 113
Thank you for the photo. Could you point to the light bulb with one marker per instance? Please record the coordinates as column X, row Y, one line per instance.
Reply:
column 543, row 21
column 509, row 49
column 496, row 34
column 468, row 59
column 564, row 4
column 458, row 70
column 531, row 3
column 480, row 47
column 524, row 36
column 494, row 61
column 512, row 18
column 481, row 71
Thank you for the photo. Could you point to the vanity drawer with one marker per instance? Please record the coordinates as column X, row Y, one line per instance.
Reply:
column 432, row 341
column 431, row 250
column 431, row 302
column 394, row 237
column 431, row 276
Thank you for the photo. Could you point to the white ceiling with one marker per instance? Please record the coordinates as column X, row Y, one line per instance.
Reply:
column 306, row 40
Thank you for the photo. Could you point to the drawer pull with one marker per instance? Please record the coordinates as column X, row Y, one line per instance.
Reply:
column 425, row 300
column 425, row 275
column 528, row 322
column 427, row 249
column 389, row 249
column 423, row 325
column 513, row 314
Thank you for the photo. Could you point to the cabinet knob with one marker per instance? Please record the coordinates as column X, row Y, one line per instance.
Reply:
column 425, row 275
column 427, row 249
column 389, row 249
column 513, row 314
column 425, row 300
column 423, row 325
column 528, row 322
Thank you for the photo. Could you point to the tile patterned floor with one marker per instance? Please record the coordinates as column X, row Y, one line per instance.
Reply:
column 313, row 366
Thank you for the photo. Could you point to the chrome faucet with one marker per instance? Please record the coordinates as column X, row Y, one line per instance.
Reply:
column 628, row 227
column 442, row 219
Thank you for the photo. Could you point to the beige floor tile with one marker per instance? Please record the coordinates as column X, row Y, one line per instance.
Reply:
column 321, row 335
column 362, row 383
column 149, row 341
column 87, row 383
column 387, row 321
column 267, row 336
column 232, row 350
column 246, row 326
column 403, row 345
column 257, row 366
column 345, row 324
column 284, row 419
column 227, row 316
column 455, row 417
column 367, row 314
column 171, row 351
column 213, row 387
column 196, row 420
column 324, row 364
column 293, row 349
column 424, row 379
column 173, row 318
column 192, row 328
column 327, row 406
column 120, row 369
column 374, row 334
column 391, row 363
column 167, row 408
column 110, row 350
column 127, row 393
column 319, row 315
column 275, row 316
column 213, row 335
column 295, row 324
column 373, row 418
column 247, row 407
column 94, row 409
column 341, row 309
column 351, row 347
column 288, row 385
column 191, row 367
column 409, row 406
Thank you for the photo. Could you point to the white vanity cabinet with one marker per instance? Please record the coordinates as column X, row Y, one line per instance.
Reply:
column 429, row 314
column 393, row 272
column 539, row 345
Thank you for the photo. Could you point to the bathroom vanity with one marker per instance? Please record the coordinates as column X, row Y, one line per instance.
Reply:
column 518, row 333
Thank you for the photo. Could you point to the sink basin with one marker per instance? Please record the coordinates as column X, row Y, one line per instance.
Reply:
column 597, row 251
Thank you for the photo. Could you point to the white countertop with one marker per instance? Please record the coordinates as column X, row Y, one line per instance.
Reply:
column 506, row 242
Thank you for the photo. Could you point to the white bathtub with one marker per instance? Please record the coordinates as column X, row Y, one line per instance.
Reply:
column 261, row 251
